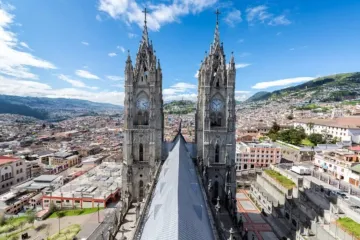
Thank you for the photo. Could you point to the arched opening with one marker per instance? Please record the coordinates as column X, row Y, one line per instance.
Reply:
column 245, row 166
column 141, row 190
column 141, row 153
column 139, row 118
column 219, row 119
column 215, row 192
column 217, row 83
column 217, row 153
column 146, row 118
column 212, row 119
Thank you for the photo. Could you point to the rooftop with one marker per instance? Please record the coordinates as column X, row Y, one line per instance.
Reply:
column 97, row 183
column 46, row 178
column 5, row 160
column 343, row 122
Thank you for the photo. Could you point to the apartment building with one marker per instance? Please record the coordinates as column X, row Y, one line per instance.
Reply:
column 344, row 128
column 338, row 163
column 256, row 155
column 12, row 171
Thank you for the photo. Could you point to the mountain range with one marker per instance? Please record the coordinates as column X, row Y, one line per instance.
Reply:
column 336, row 87
column 53, row 109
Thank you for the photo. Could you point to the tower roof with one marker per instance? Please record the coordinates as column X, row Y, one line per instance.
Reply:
column 178, row 208
column 217, row 33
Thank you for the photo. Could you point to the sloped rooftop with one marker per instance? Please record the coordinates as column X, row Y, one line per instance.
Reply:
column 177, row 210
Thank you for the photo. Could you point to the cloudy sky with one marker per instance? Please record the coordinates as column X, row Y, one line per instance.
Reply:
column 77, row 49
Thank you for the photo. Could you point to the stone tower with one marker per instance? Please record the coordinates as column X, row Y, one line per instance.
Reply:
column 215, row 121
column 143, row 119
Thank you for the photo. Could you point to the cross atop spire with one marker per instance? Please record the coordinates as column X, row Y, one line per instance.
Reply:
column 145, row 37
column 217, row 34
column 217, row 15
column 145, row 12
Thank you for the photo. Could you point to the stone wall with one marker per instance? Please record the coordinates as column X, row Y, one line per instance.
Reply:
column 270, row 188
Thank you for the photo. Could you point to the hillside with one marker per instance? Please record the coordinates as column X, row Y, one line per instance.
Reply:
column 52, row 109
column 258, row 96
column 324, row 89
column 179, row 107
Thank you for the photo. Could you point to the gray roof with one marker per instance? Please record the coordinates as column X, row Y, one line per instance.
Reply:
column 177, row 210
column 46, row 178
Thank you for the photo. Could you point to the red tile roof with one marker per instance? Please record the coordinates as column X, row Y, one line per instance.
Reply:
column 4, row 160
column 357, row 148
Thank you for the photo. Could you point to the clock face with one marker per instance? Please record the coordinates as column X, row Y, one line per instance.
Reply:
column 217, row 105
column 142, row 104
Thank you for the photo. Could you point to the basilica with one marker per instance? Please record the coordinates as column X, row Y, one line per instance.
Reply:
column 183, row 185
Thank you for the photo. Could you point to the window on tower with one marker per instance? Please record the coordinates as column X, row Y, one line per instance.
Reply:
column 141, row 153
column 217, row 153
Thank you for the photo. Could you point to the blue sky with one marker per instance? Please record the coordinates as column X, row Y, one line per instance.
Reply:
column 77, row 49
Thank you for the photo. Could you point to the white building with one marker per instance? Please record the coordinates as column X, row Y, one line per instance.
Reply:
column 338, row 163
column 12, row 171
column 344, row 128
column 256, row 155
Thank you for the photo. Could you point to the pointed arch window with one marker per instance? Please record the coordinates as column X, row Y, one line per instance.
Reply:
column 219, row 119
column 217, row 153
column 141, row 152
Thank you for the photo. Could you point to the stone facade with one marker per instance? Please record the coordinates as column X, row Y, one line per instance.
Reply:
column 215, row 120
column 143, row 119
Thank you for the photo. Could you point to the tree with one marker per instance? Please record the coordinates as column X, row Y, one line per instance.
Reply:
column 30, row 216
column 275, row 128
column 2, row 219
column 310, row 125
column 290, row 117
column 59, row 215
column 316, row 138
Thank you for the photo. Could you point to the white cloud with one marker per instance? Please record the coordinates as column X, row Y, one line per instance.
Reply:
column 15, row 62
column 85, row 43
column 86, row 74
column 281, row 82
column 279, row 20
column 261, row 14
column 257, row 13
column 75, row 83
column 132, row 35
column 121, row 48
column 112, row 54
column 161, row 13
column 115, row 78
column 18, row 87
column 25, row 45
column 180, row 90
column 98, row 17
column 242, row 65
column 242, row 95
column 233, row 17
column 196, row 74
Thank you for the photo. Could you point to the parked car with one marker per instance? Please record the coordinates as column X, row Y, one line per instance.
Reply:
column 342, row 195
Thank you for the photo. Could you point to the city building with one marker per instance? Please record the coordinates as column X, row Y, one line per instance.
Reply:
column 12, row 171
column 98, row 187
column 338, row 163
column 343, row 128
column 256, row 155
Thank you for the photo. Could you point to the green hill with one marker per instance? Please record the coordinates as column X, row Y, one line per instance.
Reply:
column 336, row 87
column 258, row 96
column 179, row 107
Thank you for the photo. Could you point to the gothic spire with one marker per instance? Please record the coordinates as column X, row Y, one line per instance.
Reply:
column 217, row 33
column 145, row 35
